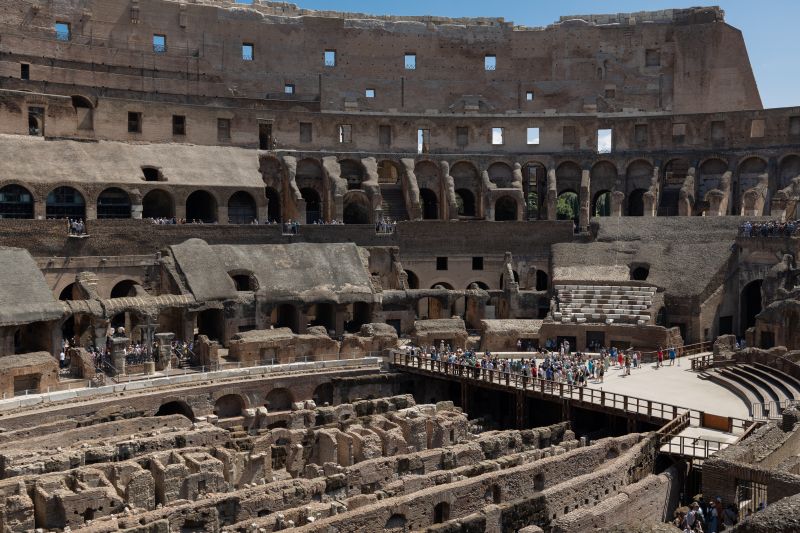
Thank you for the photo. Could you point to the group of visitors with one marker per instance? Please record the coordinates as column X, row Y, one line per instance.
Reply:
column 385, row 226
column 76, row 226
column 167, row 221
column 771, row 228
column 704, row 517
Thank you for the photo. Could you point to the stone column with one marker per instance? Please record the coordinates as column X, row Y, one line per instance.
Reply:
column 222, row 214
column 617, row 197
column 164, row 341
column 136, row 211
column 301, row 211
column 118, row 345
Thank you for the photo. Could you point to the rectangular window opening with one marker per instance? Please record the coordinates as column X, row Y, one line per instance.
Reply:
column 36, row 121
column 604, row 141
column 462, row 136
column 477, row 263
column 306, row 132
column 369, row 93
column 497, row 136
column 159, row 43
column 533, row 135
column 223, row 129
column 178, row 125
column 441, row 263
column 490, row 62
column 288, row 88
column 265, row 136
column 330, row 58
column 62, row 30
column 411, row 61
column 757, row 128
column 569, row 137
column 345, row 133
column 134, row 122
column 529, row 96
column 678, row 132
column 718, row 130
column 25, row 71
column 640, row 134
column 652, row 58
column 248, row 50
column 423, row 141
column 385, row 135
column 794, row 126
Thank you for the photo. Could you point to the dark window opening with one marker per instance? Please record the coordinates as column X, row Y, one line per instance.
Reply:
column 441, row 263
column 652, row 58
column 25, row 71
column 223, row 129
column 462, row 135
column 178, row 125
column 306, row 132
column 640, row 134
column 134, row 122
column 640, row 273
column 264, row 136
column 152, row 174
column 477, row 263
column 36, row 121
column 385, row 135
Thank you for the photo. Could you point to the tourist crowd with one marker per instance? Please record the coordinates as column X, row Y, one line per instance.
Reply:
column 705, row 517
column 76, row 226
column 559, row 366
column 771, row 228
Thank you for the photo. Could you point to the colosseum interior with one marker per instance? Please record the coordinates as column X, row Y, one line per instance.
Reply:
column 267, row 268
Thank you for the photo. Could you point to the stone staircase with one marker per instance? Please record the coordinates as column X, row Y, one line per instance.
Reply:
column 394, row 204
column 604, row 304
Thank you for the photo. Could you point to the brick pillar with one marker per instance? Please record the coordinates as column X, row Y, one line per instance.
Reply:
column 118, row 345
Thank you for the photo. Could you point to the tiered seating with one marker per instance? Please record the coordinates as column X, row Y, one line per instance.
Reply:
column 757, row 385
column 604, row 304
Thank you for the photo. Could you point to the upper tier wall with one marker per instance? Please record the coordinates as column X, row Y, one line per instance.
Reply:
column 573, row 66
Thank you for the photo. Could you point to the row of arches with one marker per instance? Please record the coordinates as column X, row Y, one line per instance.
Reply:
column 67, row 202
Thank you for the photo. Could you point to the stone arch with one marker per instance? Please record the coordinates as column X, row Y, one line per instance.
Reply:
column 323, row 394
column 710, row 173
column 288, row 316
column 428, row 175
column 465, row 200
column 352, row 171
column 675, row 172
column 413, row 279
column 430, row 203
column 313, row 204
column 229, row 406
column 601, row 203
column 534, row 186
column 280, row 399
column 479, row 284
column 158, row 203
column 242, row 208
column 568, row 176
column 568, row 206
column 397, row 523
column 542, row 280
column 441, row 513
column 176, row 407
column 357, row 209
column 113, row 203
column 389, row 172
column 750, row 304
column 638, row 175
column 16, row 202
column 273, row 204
column 68, row 293
column 84, row 112
column 360, row 315
column 604, row 175
column 127, row 288
column 271, row 171
column 244, row 280
column 65, row 202
column 505, row 209
column 636, row 203
column 747, row 176
column 501, row 174
column 201, row 205
column 788, row 169
column 309, row 174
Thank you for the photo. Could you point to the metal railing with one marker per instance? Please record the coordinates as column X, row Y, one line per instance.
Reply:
column 598, row 397
column 772, row 410
column 692, row 446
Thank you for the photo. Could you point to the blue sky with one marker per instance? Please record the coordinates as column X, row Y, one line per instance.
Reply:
column 770, row 28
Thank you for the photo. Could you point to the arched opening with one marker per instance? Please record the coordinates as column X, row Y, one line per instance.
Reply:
column 244, row 281
column 750, row 304
column 68, row 293
column 65, row 202
column 534, row 186
column 675, row 172
column 279, row 400
column 176, row 408
column 711, row 172
column 356, row 208
column 273, row 205
column 241, row 208
column 210, row 323
column 84, row 112
column 636, row 203
column 152, row 174
column 113, row 203
column 413, row 280
column 568, row 176
column 229, row 406
column 430, row 204
column 35, row 123
column 125, row 289
column 505, row 209
column 788, row 169
column 501, row 175
column 640, row 272
column 201, row 205
column 397, row 523
column 16, row 202
column 388, row 172
column 313, row 205
column 353, row 172
column 478, row 284
column 360, row 316
column 748, row 176
column 324, row 315
column 542, row 280
column 323, row 394
column 288, row 317
column 567, row 206
column 466, row 202
column 503, row 275
column 601, row 204
column 158, row 204
column 441, row 513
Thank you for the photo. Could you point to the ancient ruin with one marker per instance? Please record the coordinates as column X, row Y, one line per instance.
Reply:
column 267, row 268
